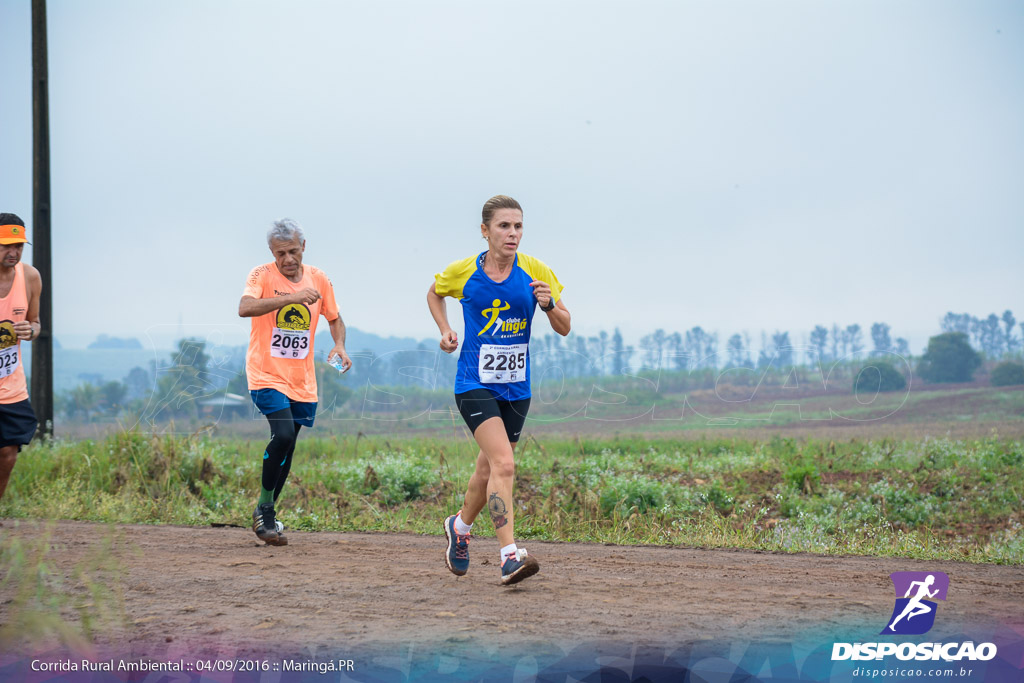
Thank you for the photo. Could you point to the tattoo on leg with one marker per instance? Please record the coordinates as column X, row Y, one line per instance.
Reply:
column 496, row 506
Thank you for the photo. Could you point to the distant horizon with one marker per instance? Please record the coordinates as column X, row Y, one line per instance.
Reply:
column 164, row 338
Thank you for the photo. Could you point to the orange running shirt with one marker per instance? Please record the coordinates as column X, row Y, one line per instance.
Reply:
column 13, row 308
column 280, row 352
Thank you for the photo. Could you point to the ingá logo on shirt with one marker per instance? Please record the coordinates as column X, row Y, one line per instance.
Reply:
column 497, row 306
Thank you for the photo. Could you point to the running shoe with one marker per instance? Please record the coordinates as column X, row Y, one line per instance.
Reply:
column 515, row 569
column 265, row 525
column 457, row 557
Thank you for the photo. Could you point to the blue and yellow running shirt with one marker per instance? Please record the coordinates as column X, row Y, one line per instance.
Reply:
column 498, row 316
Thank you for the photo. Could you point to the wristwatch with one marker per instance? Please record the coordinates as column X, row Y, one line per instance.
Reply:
column 550, row 306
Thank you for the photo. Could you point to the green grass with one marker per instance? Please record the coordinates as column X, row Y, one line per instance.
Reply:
column 927, row 498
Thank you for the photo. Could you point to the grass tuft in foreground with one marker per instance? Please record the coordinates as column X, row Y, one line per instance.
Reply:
column 41, row 604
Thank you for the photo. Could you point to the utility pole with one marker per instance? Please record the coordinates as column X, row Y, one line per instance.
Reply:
column 42, row 348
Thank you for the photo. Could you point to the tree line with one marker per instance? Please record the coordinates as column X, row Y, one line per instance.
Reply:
column 194, row 374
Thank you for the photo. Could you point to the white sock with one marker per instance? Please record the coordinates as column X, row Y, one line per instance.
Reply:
column 510, row 549
column 461, row 527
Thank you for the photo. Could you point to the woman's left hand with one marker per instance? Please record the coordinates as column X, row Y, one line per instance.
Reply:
column 542, row 292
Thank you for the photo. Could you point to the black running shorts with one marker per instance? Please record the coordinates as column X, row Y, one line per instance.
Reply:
column 477, row 405
column 17, row 423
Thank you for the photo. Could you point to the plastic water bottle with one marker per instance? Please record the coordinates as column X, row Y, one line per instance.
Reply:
column 337, row 364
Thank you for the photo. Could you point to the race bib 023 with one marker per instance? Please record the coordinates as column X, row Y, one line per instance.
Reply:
column 9, row 359
column 501, row 364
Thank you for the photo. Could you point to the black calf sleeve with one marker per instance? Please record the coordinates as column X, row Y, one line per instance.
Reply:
column 279, row 451
column 287, row 466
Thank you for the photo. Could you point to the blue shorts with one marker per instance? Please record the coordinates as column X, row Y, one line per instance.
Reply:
column 271, row 400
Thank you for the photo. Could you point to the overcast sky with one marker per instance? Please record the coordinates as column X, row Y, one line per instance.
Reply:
column 735, row 165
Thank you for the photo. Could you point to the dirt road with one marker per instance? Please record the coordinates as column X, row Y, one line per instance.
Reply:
column 217, row 590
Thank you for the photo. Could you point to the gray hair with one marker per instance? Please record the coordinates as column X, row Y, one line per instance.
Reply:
column 285, row 230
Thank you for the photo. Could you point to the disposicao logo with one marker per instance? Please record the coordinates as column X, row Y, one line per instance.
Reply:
column 913, row 614
column 916, row 592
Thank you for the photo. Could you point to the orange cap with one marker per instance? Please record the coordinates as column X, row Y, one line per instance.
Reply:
column 13, row 234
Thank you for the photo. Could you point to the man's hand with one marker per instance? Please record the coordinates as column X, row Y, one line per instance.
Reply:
column 23, row 330
column 449, row 341
column 307, row 296
column 339, row 352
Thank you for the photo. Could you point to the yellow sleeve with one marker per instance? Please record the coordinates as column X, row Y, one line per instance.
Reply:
column 453, row 279
column 538, row 270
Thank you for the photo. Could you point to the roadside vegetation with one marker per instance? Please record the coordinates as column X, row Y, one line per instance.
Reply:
column 919, row 498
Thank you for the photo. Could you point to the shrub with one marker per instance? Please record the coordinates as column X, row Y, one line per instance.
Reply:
column 629, row 493
column 949, row 358
column 1007, row 374
column 803, row 474
column 878, row 376
column 719, row 498
column 391, row 477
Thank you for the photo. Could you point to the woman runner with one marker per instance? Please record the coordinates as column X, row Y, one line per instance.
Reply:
column 500, row 290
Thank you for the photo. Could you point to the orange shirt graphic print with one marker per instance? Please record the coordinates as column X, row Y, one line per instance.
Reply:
column 290, row 337
column 494, row 311
column 293, row 317
column 9, row 351
column 8, row 337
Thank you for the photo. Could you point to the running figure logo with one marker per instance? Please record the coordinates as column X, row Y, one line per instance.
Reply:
column 914, row 612
column 493, row 312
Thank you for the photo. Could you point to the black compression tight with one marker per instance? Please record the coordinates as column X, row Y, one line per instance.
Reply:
column 277, row 459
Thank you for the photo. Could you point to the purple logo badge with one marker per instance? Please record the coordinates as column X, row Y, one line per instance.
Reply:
column 914, row 612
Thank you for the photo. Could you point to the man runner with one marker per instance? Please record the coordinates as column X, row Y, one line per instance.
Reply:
column 285, row 300
column 20, row 286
